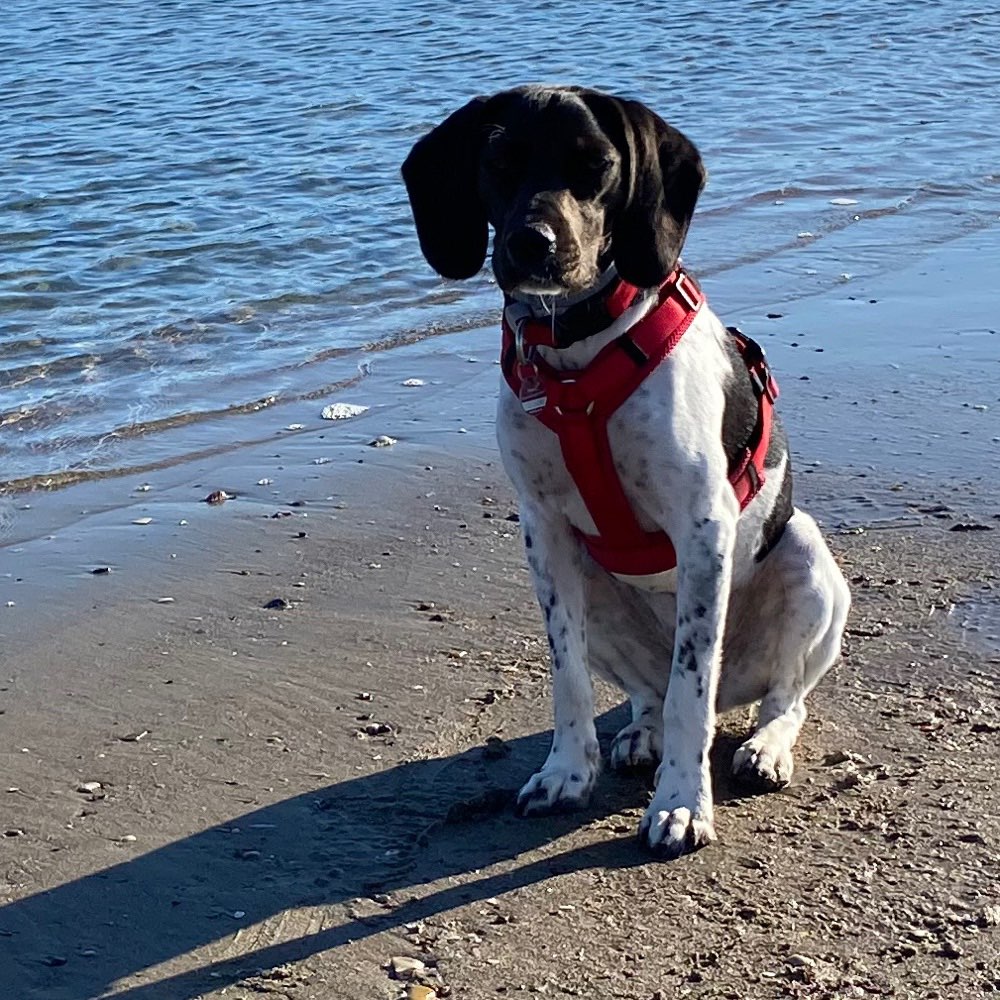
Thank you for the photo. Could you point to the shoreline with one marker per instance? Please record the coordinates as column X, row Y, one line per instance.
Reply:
column 883, row 389
column 211, row 796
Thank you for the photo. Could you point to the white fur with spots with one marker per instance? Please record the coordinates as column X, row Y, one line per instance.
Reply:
column 720, row 630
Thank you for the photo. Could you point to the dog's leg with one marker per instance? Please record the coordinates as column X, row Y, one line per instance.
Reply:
column 567, row 777
column 639, row 746
column 797, row 648
column 631, row 658
column 680, row 817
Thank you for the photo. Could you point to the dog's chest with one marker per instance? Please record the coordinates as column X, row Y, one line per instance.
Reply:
column 649, row 465
column 661, row 439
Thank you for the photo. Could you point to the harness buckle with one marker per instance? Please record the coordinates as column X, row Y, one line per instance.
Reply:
column 763, row 382
column 688, row 290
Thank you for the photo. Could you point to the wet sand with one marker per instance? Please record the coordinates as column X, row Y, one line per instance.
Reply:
column 204, row 796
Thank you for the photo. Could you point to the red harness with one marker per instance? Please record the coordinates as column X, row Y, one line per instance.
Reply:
column 576, row 405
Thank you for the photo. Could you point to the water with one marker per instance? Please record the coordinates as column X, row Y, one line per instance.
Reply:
column 200, row 206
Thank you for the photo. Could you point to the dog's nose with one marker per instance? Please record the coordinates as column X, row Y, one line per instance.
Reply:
column 531, row 246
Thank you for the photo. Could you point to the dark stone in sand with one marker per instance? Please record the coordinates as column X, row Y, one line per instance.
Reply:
column 495, row 748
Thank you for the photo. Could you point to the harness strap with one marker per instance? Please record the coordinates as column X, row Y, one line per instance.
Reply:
column 577, row 405
column 747, row 471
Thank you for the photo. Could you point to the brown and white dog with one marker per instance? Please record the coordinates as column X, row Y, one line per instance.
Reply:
column 589, row 194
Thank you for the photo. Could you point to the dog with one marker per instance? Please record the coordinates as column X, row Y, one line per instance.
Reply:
column 665, row 550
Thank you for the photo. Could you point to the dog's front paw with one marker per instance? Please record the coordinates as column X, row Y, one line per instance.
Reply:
column 762, row 767
column 670, row 833
column 560, row 786
column 637, row 747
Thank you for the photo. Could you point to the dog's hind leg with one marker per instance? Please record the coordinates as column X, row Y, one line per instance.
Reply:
column 567, row 777
column 639, row 745
column 628, row 646
column 796, row 647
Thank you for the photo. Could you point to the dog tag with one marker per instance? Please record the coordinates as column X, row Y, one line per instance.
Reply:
column 532, row 392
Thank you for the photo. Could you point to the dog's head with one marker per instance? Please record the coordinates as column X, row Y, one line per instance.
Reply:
column 570, row 179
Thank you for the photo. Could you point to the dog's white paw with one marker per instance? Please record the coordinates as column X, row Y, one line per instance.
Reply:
column 637, row 747
column 762, row 767
column 560, row 786
column 671, row 833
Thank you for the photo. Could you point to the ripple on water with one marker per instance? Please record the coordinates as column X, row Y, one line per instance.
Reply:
column 229, row 172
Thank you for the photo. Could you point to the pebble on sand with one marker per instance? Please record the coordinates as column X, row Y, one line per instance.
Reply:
column 139, row 734
column 801, row 961
column 495, row 748
column 418, row 991
column 404, row 967
column 342, row 411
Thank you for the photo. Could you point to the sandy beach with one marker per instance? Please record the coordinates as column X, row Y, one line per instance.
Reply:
column 272, row 750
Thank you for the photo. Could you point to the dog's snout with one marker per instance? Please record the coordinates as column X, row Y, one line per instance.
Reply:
column 532, row 245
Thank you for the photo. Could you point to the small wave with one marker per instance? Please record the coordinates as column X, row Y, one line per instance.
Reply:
column 831, row 222
column 61, row 478
column 12, row 378
column 24, row 345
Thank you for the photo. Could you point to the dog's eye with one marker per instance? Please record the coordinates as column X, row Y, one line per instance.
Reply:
column 587, row 174
column 502, row 158
column 500, row 164
column 504, row 169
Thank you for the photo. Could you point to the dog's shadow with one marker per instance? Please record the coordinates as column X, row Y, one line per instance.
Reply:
column 400, row 828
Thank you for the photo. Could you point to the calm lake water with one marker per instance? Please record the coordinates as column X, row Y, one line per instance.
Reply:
column 200, row 203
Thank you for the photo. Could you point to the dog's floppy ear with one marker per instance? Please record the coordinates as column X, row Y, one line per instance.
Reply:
column 662, row 176
column 441, row 177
